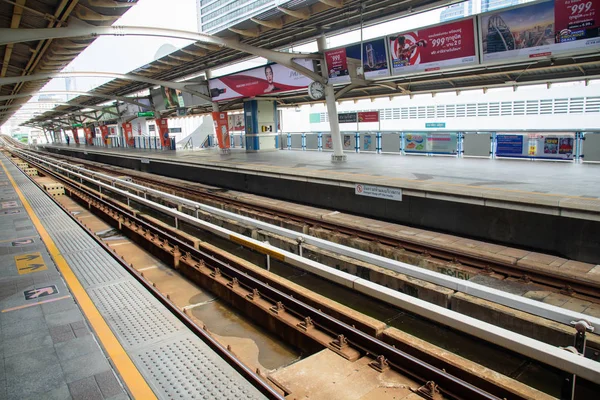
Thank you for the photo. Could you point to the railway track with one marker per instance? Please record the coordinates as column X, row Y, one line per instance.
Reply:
column 563, row 283
column 232, row 277
column 231, row 280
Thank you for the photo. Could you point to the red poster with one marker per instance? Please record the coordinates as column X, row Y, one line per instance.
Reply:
column 434, row 48
column 104, row 132
column 368, row 116
column 128, row 132
column 75, row 135
column 272, row 78
column 88, row 136
column 576, row 19
column 163, row 132
column 337, row 63
column 222, row 129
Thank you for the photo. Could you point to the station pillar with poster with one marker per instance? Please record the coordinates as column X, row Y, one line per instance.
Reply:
column 261, row 125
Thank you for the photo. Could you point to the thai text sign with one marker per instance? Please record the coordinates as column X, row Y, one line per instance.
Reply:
column 381, row 192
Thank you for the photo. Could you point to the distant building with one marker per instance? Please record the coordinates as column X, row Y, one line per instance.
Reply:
column 218, row 15
column 467, row 8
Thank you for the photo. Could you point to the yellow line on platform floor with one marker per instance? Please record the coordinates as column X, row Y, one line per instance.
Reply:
column 135, row 382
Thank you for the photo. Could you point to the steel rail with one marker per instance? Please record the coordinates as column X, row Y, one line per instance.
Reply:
column 520, row 303
column 587, row 290
column 221, row 350
column 407, row 363
column 551, row 355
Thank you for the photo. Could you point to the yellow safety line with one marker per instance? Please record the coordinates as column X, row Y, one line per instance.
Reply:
column 135, row 382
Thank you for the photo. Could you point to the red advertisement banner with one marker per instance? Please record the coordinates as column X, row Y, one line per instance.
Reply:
column 272, row 78
column 222, row 129
column 104, row 133
column 434, row 48
column 337, row 63
column 368, row 116
column 128, row 133
column 162, row 125
column 75, row 135
column 88, row 136
column 576, row 19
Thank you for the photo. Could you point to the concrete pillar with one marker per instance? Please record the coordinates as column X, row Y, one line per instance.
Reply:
column 334, row 126
column 260, row 125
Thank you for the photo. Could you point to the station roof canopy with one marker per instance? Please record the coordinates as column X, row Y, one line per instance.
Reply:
column 46, row 56
column 298, row 21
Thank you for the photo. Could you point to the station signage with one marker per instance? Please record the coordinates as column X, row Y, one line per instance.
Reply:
column 434, row 48
column 77, row 126
column 538, row 30
column 272, row 78
column 368, row 116
column 435, row 124
column 145, row 114
column 374, row 57
column 346, row 118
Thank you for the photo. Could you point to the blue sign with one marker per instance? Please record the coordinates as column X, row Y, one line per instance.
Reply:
column 509, row 145
column 435, row 124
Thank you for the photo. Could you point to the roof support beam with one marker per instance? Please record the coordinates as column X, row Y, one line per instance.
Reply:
column 253, row 33
column 272, row 23
column 333, row 3
column 129, row 100
column 14, row 24
column 173, row 85
column 65, row 103
column 303, row 13
column 85, row 30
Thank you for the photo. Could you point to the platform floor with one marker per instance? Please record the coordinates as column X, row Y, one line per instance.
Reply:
column 551, row 184
column 74, row 325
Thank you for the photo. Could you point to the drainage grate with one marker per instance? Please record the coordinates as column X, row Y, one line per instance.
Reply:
column 184, row 370
column 95, row 267
column 133, row 314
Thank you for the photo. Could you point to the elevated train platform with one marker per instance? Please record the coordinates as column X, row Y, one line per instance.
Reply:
column 552, row 207
column 76, row 325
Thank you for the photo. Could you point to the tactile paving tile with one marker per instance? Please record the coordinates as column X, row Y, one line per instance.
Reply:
column 95, row 267
column 188, row 369
column 72, row 240
column 133, row 314
column 56, row 223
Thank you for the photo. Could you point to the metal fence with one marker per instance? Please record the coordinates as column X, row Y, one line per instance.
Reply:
column 558, row 146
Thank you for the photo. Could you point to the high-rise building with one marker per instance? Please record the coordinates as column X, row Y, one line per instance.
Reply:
column 217, row 15
column 470, row 7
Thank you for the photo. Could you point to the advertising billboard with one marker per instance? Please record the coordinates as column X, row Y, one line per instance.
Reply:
column 434, row 48
column 172, row 98
column 272, row 78
column 89, row 138
column 541, row 29
column 75, row 135
column 104, row 133
column 128, row 133
column 440, row 143
column 235, row 122
column 374, row 56
column 163, row 132
column 222, row 129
